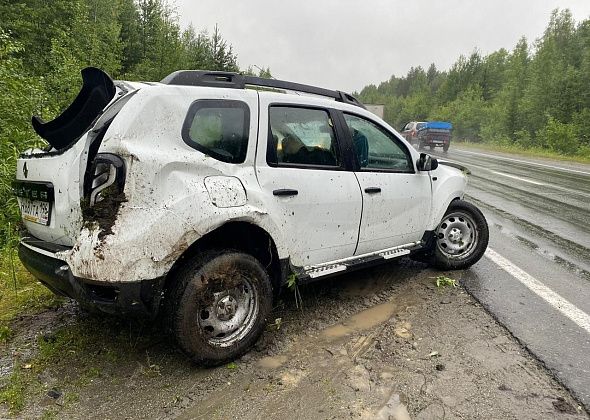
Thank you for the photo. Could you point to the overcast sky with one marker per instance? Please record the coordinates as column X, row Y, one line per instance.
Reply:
column 347, row 44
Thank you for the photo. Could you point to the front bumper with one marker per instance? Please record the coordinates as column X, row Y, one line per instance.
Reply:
column 137, row 298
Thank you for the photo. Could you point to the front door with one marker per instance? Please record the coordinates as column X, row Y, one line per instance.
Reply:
column 396, row 197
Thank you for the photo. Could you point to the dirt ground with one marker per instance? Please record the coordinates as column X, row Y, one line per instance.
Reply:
column 384, row 343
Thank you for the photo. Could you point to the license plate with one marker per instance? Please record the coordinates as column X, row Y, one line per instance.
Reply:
column 35, row 200
column 35, row 211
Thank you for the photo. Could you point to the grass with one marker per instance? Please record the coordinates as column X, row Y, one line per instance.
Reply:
column 14, row 392
column 535, row 152
column 444, row 281
column 20, row 292
column 77, row 354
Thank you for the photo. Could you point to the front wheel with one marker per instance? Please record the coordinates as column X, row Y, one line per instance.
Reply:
column 432, row 146
column 461, row 237
column 446, row 147
column 218, row 306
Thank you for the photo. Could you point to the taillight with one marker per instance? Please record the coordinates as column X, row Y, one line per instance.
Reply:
column 105, row 179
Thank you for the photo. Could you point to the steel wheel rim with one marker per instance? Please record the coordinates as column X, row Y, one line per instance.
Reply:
column 231, row 316
column 457, row 235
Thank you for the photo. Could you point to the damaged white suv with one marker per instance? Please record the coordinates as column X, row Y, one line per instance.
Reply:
column 199, row 197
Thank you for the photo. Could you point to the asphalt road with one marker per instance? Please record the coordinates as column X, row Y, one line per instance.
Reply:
column 535, row 278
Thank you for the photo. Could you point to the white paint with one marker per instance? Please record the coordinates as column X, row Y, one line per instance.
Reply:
column 225, row 191
column 581, row 318
column 559, row 168
column 517, row 178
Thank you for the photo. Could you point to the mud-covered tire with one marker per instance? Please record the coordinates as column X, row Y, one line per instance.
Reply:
column 218, row 306
column 432, row 146
column 461, row 237
column 446, row 148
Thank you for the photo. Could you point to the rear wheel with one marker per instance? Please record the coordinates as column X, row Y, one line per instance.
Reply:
column 218, row 306
column 432, row 146
column 446, row 147
column 461, row 237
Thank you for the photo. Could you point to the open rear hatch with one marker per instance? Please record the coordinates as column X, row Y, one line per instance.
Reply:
column 97, row 91
column 50, row 184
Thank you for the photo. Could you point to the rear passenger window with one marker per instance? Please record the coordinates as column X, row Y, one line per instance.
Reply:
column 301, row 136
column 219, row 129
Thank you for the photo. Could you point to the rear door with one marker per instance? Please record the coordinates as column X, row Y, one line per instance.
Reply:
column 302, row 171
column 396, row 197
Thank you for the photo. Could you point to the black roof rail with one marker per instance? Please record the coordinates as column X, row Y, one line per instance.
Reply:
column 240, row 81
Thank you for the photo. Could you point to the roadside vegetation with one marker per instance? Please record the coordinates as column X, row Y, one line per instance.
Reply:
column 536, row 96
column 43, row 47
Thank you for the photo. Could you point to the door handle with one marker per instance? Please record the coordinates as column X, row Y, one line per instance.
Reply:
column 285, row 192
column 372, row 190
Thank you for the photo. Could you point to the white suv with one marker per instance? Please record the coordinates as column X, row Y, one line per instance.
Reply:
column 200, row 198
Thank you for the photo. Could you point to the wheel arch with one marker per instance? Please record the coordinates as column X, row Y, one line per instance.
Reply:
column 241, row 236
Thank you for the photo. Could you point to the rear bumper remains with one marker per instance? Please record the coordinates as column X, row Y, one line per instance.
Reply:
column 138, row 298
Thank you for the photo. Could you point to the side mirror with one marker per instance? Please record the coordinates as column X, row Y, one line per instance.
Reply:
column 426, row 163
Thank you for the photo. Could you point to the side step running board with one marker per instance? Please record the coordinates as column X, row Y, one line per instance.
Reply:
column 332, row 267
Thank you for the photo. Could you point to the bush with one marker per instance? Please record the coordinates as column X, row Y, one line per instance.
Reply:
column 559, row 137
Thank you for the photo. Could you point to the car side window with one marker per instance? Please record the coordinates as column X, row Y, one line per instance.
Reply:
column 218, row 128
column 301, row 136
column 376, row 148
column 408, row 127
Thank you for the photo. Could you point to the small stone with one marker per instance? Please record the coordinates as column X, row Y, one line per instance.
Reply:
column 54, row 393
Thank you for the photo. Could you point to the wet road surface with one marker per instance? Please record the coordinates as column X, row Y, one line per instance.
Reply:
column 535, row 279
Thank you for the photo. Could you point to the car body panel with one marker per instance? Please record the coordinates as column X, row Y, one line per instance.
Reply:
column 174, row 194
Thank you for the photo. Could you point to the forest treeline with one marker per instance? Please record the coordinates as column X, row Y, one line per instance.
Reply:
column 44, row 45
column 536, row 95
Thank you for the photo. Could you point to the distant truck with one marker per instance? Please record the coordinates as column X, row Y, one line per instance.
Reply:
column 434, row 134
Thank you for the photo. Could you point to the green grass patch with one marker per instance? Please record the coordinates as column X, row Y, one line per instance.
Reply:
column 20, row 292
column 92, row 348
column 444, row 281
column 14, row 392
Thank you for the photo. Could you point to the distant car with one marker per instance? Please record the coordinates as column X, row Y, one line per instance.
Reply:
column 201, row 198
column 435, row 134
column 410, row 131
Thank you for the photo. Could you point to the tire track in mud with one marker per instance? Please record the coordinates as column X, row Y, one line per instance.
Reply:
column 283, row 382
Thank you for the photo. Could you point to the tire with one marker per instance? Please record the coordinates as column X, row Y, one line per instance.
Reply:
column 446, row 147
column 218, row 306
column 432, row 146
column 461, row 237
column 420, row 146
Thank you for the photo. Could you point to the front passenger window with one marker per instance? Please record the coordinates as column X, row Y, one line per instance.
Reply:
column 376, row 148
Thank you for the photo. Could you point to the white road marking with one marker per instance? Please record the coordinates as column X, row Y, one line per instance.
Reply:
column 518, row 178
column 525, row 161
column 568, row 309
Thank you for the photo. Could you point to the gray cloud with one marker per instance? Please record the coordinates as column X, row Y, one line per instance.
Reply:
column 347, row 44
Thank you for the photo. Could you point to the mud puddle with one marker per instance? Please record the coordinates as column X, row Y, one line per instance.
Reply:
column 367, row 319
